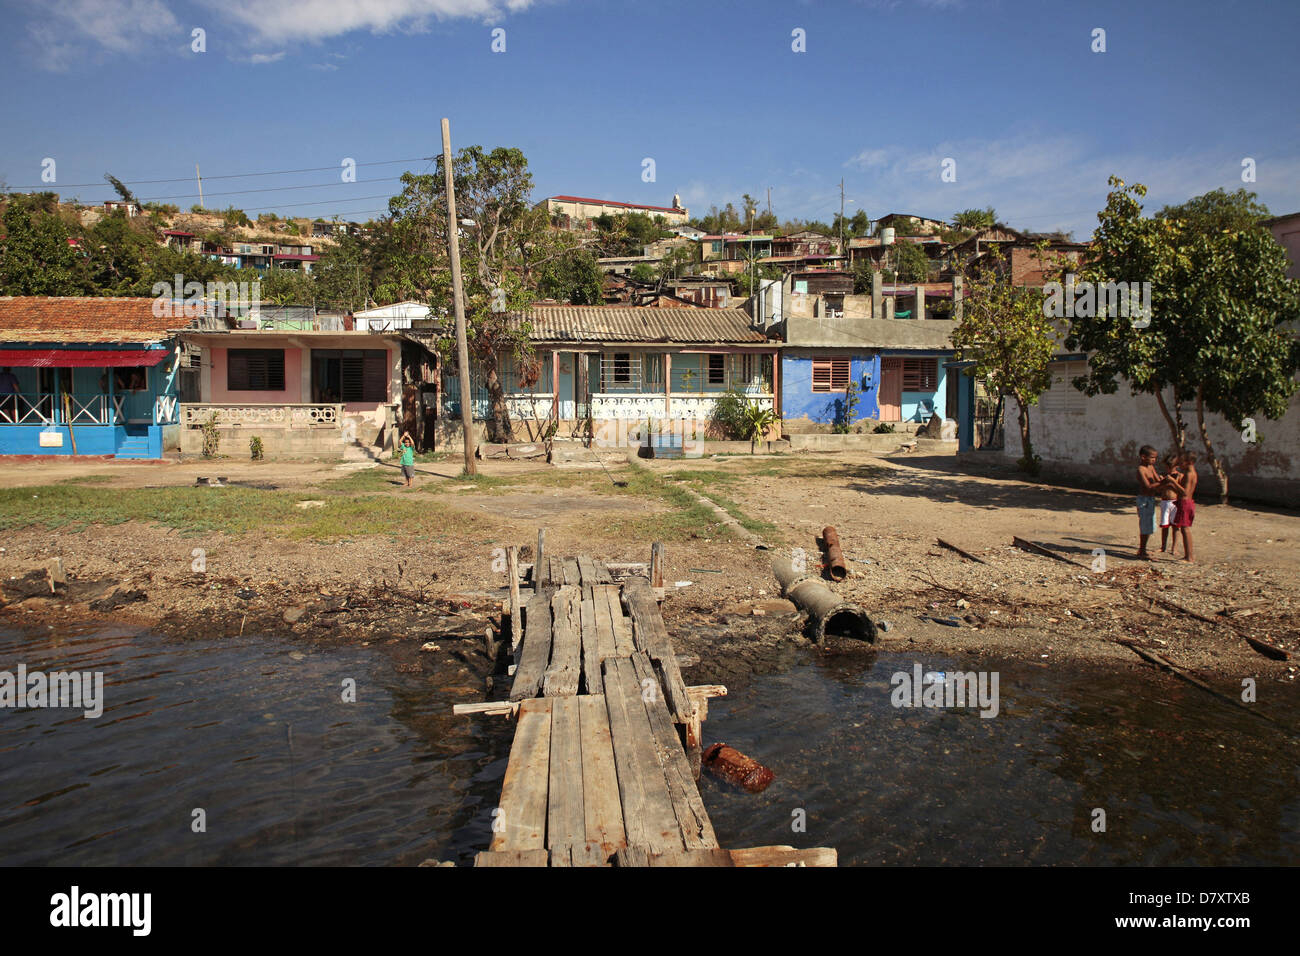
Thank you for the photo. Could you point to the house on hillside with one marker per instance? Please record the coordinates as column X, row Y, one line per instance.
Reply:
column 909, row 221
column 611, row 364
column 87, row 376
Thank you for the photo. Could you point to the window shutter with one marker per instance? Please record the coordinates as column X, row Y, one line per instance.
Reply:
column 375, row 377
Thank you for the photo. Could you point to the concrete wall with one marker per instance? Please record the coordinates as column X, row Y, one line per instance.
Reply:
column 307, row 441
column 295, row 382
column 1101, row 444
column 800, row 404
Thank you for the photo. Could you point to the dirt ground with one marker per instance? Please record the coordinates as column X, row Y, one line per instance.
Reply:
column 722, row 600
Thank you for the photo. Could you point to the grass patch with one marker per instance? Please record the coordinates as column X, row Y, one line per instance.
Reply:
column 85, row 480
column 688, row 519
column 232, row 510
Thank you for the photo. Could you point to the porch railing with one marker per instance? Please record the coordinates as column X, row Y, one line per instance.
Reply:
column 47, row 408
column 283, row 415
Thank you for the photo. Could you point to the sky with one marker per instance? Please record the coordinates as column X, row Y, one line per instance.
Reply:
column 1014, row 101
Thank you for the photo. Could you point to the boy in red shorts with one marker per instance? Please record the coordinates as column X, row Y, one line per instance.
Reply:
column 1185, row 506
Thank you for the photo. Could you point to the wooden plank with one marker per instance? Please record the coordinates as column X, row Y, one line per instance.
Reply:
column 632, row 856
column 712, row 857
column 586, row 570
column 1024, row 545
column 688, row 807
column 590, row 854
column 516, row 606
column 495, row 707
column 557, row 570
column 565, row 669
column 512, row 858
column 541, row 568
column 651, row 637
column 591, row 676
column 601, row 602
column 965, row 554
column 785, row 856
column 648, row 814
column 624, row 644
column 571, row 573
column 565, row 821
column 602, row 807
column 601, row 573
column 522, row 820
column 536, row 651
column 657, row 565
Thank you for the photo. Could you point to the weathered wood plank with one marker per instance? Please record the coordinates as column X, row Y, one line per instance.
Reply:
column 648, row 816
column 600, row 572
column 651, row 637
column 1035, row 548
column 586, row 570
column 711, row 857
column 516, row 606
column 602, row 807
column 624, row 644
column 522, row 819
column 590, row 854
column 785, row 856
column 591, row 675
column 657, row 565
column 688, row 807
column 604, row 644
column 632, row 856
column 571, row 573
column 512, row 858
column 565, row 668
column 565, row 820
column 541, row 565
column 557, row 570
column 535, row 654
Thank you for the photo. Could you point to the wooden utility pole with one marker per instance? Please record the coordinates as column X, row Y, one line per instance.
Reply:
column 199, row 177
column 458, row 295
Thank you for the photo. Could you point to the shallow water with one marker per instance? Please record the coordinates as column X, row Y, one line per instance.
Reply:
column 255, row 732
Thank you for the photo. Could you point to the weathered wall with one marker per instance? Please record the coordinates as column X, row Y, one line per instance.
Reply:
column 799, row 403
column 1101, row 443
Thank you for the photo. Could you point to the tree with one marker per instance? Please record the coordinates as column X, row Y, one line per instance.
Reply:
column 120, row 188
column 1215, row 336
column 644, row 272
column 36, row 257
column 677, row 261
column 1218, row 211
column 910, row 263
column 1011, row 341
column 973, row 219
column 855, row 226
column 288, row 287
column 574, row 277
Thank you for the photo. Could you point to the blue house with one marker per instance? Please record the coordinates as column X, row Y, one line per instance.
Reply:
column 897, row 365
column 88, row 376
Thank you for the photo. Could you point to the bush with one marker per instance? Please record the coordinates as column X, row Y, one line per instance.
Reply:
column 211, row 436
column 728, row 417
column 255, row 448
column 884, row 428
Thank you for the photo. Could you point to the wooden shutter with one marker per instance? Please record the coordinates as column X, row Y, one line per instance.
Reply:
column 830, row 375
column 920, row 374
column 255, row 370
column 375, row 376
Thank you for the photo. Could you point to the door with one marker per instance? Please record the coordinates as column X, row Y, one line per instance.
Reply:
column 891, row 389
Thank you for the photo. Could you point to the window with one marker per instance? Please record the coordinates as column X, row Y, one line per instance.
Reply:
column 623, row 367
column 717, row 369
column 717, row 246
column 830, row 375
column 349, row 375
column 255, row 370
column 1063, row 398
column 920, row 374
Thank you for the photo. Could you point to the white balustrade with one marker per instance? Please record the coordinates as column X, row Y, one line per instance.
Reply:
column 284, row 416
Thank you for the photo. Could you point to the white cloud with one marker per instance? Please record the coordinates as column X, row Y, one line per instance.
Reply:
column 283, row 21
column 67, row 30
column 266, row 57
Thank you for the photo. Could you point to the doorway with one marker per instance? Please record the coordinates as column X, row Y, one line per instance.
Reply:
column 891, row 389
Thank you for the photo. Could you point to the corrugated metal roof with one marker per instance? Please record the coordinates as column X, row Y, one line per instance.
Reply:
column 638, row 324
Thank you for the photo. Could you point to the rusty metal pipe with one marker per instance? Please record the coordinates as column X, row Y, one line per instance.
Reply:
column 828, row 613
column 835, row 566
column 733, row 766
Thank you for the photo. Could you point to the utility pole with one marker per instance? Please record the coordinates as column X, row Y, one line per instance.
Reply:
column 200, row 179
column 458, row 297
column 841, row 215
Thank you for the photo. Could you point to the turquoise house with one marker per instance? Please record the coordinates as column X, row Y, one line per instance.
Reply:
column 88, row 376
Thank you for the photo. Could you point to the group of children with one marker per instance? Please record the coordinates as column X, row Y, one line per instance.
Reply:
column 1168, row 496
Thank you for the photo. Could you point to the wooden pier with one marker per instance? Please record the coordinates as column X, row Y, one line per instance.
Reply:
column 606, row 753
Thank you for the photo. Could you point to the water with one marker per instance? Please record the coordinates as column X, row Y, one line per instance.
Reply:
column 254, row 731
column 1183, row 778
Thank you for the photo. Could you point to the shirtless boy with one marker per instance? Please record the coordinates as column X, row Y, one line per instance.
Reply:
column 1150, row 484
column 1167, row 505
column 1185, row 506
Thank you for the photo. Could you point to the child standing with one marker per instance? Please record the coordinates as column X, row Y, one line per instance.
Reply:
column 1150, row 484
column 408, row 457
column 1185, row 506
column 1168, row 504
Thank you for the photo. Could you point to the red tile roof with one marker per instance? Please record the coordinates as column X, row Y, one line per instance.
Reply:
column 82, row 319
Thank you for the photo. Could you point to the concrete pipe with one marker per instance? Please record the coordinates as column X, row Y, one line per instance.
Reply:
column 827, row 611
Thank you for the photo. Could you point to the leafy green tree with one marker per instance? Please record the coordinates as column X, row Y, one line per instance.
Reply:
column 855, row 226
column 1219, row 211
column 120, row 187
column 1216, row 335
column 909, row 262
column 1011, row 341
column 35, row 255
column 574, row 278
column 677, row 261
column 974, row 219
column 644, row 272
column 288, row 287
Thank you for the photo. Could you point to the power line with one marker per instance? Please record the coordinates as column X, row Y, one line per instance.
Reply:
column 186, row 179
column 272, row 189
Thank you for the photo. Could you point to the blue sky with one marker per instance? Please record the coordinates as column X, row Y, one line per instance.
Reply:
column 711, row 91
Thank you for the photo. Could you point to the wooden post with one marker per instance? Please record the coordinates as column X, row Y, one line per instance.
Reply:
column 539, row 560
column 668, row 383
column 657, row 569
column 458, row 296
column 516, row 622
